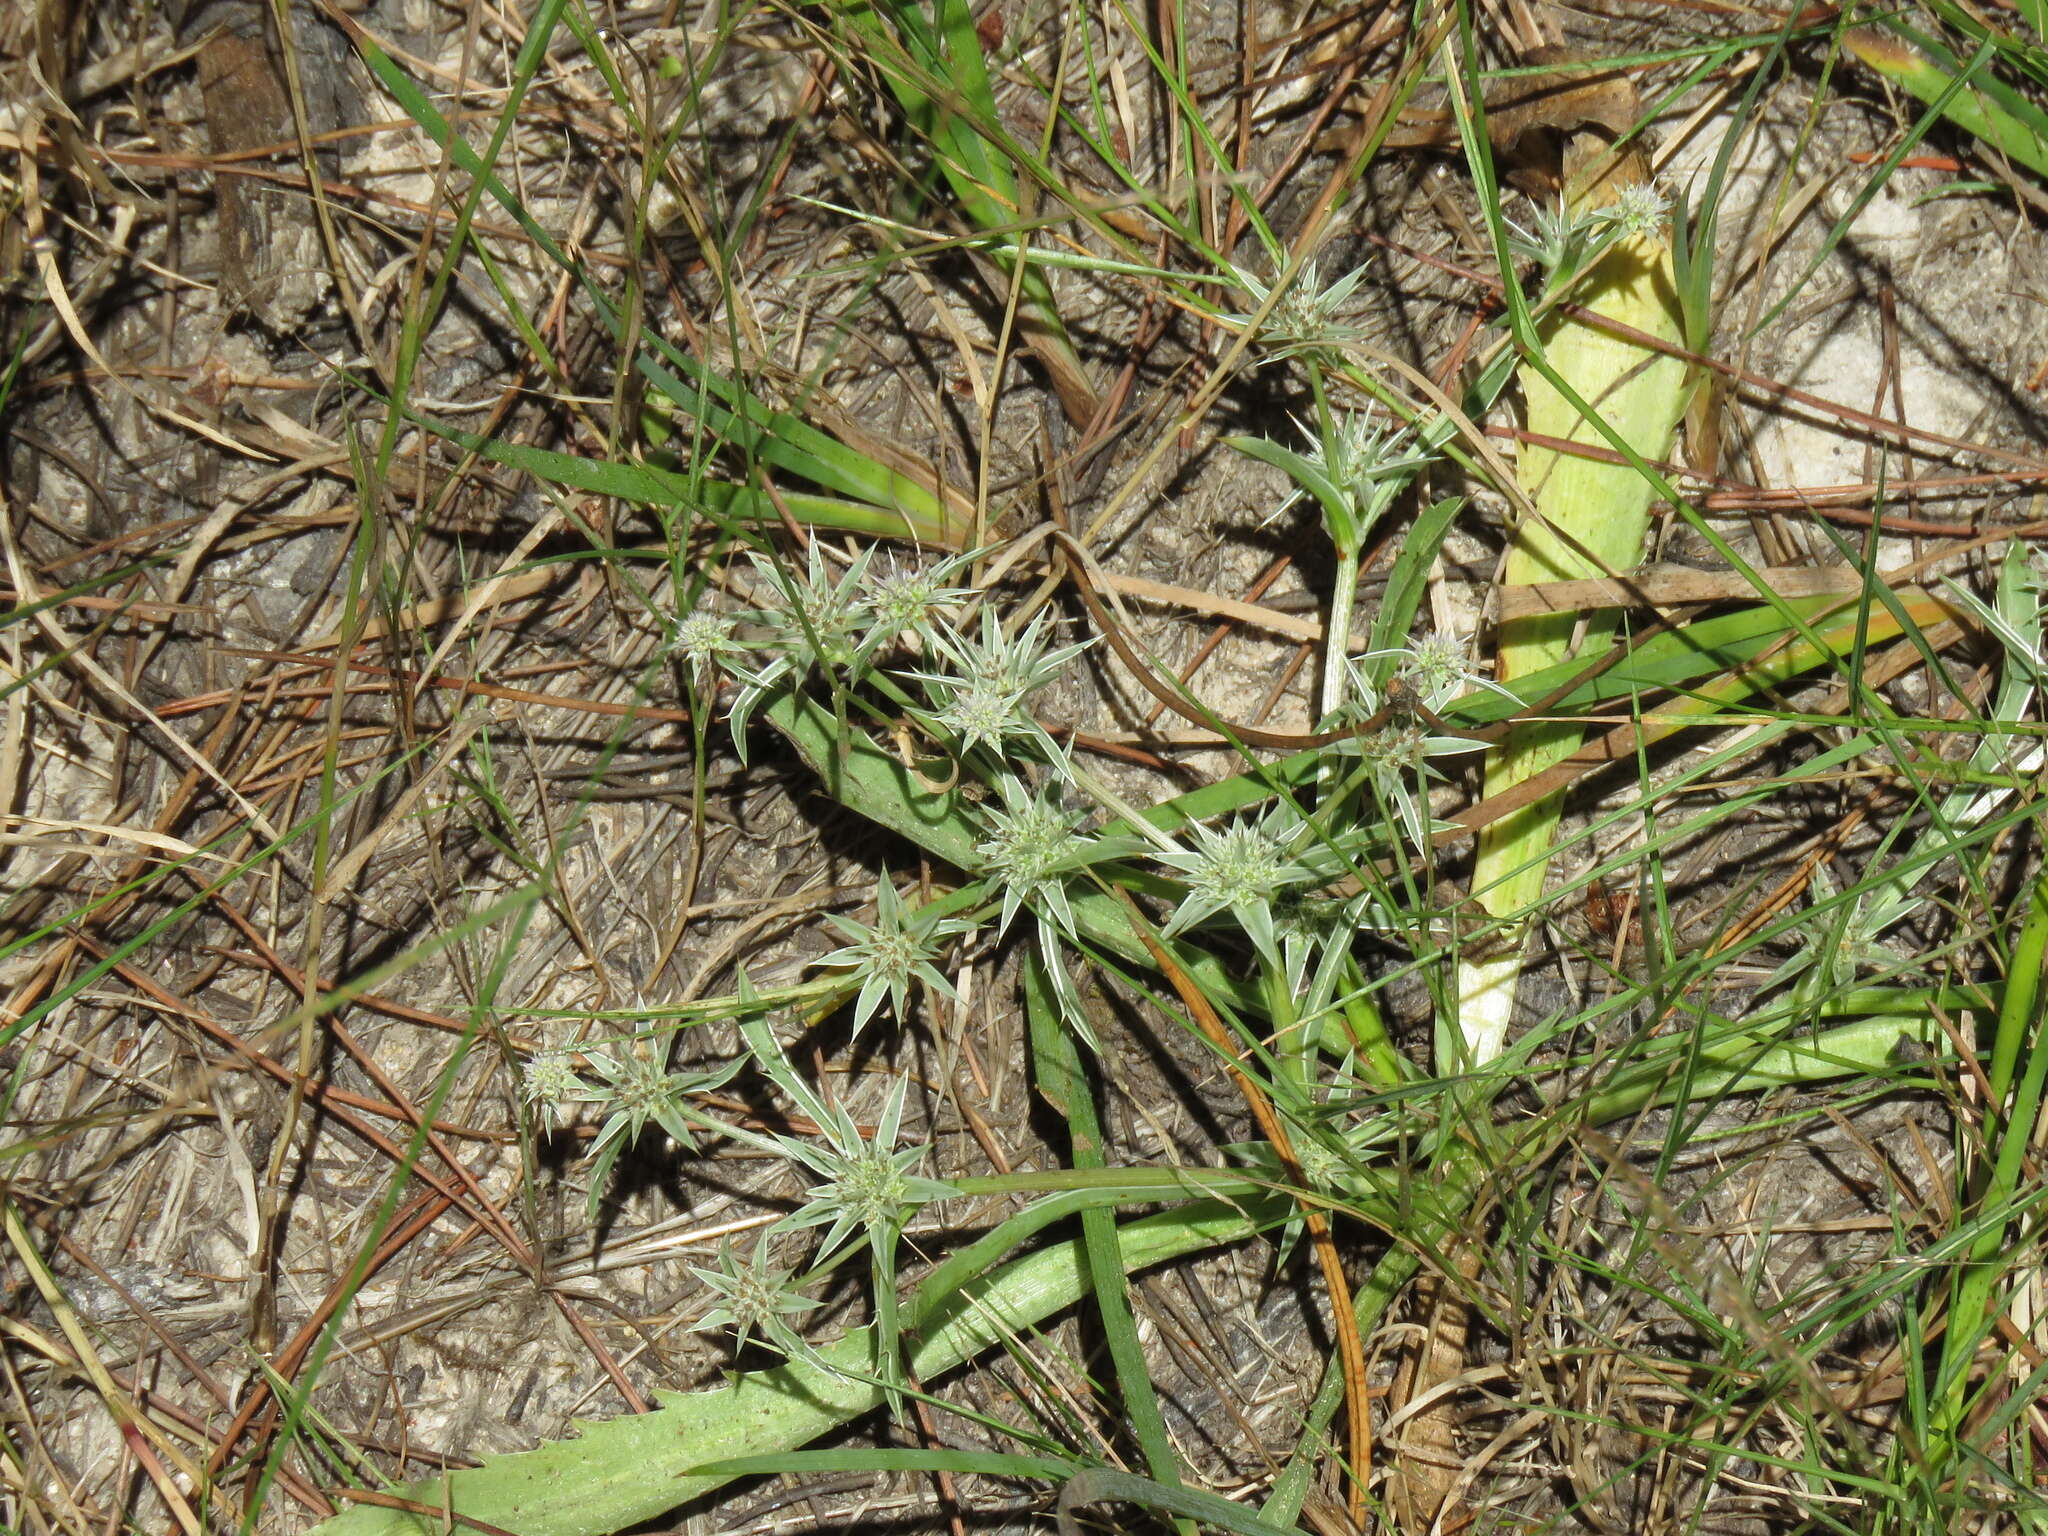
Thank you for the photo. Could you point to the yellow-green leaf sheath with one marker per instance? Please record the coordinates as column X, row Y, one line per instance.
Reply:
column 1604, row 508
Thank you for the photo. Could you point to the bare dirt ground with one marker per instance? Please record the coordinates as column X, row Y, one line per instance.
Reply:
column 223, row 618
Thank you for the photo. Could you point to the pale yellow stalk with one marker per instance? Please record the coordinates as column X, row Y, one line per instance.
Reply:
column 1592, row 516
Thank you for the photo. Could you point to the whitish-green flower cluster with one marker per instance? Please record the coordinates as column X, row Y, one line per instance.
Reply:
column 756, row 1298
column 1368, row 461
column 632, row 1083
column 1035, row 846
column 1241, row 869
column 819, row 622
column 868, row 1187
column 1303, row 321
column 980, row 702
column 1433, row 670
column 858, row 624
column 901, row 948
column 910, row 602
column 1564, row 243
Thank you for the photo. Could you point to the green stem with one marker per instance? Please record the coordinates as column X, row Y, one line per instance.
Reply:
column 1337, row 639
column 2019, row 1028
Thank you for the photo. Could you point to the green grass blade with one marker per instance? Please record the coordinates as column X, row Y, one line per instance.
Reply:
column 1408, row 580
column 727, row 410
column 1100, row 1483
column 1966, row 94
column 651, row 486
column 2014, row 1110
column 1063, row 1083
column 940, row 79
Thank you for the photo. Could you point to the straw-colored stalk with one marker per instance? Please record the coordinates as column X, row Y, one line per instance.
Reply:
column 1591, row 516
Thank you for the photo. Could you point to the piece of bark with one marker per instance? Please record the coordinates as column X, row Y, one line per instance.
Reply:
column 1426, row 1464
column 271, row 262
column 1530, row 118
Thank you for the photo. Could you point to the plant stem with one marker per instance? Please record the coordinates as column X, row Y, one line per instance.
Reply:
column 2011, row 1124
column 1337, row 637
column 1590, row 519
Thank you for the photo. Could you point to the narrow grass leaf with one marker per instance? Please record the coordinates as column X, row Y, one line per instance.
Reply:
column 1062, row 1080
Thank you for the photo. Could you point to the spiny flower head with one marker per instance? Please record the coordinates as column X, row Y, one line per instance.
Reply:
column 636, row 1083
column 1241, row 868
column 704, row 637
column 1395, row 748
column 1304, row 319
column 1034, row 844
column 981, row 701
column 912, row 600
column 1362, row 454
column 550, row 1082
column 819, row 619
column 901, row 948
column 1565, row 242
column 754, row 1297
column 1395, row 756
column 1354, row 466
column 811, row 620
column 1638, row 210
column 1434, row 669
column 869, row 1186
